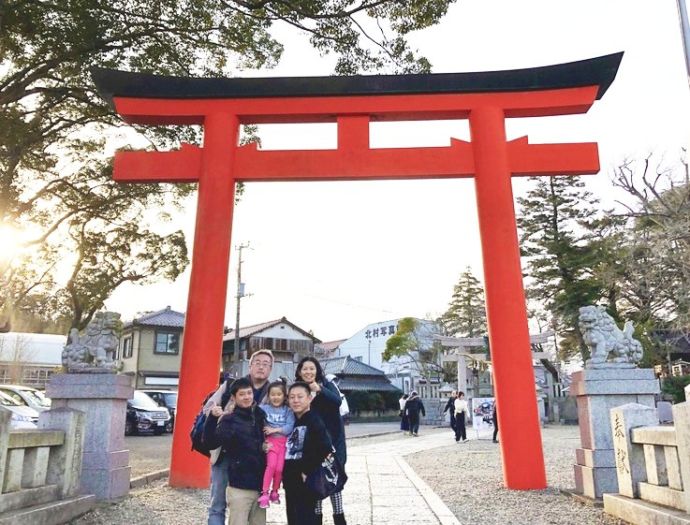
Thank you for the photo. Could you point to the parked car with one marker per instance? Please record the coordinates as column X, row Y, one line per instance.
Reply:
column 144, row 415
column 167, row 399
column 28, row 396
column 22, row 415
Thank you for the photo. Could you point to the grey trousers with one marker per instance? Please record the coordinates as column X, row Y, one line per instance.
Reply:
column 243, row 507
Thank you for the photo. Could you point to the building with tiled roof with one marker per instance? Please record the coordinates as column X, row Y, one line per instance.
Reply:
column 355, row 375
column 151, row 348
column 166, row 318
column 286, row 340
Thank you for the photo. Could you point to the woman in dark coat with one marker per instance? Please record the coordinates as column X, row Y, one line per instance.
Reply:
column 326, row 404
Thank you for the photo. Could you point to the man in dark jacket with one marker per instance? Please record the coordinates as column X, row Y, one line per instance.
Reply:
column 260, row 365
column 240, row 435
column 450, row 405
column 413, row 407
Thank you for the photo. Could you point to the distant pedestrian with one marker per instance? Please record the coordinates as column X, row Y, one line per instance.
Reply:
column 404, row 420
column 413, row 407
column 461, row 416
column 494, row 418
column 450, row 406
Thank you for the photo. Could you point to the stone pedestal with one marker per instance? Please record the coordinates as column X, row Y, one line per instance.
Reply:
column 598, row 391
column 103, row 398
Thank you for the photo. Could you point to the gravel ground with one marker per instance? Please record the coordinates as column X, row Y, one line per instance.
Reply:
column 475, row 493
column 148, row 453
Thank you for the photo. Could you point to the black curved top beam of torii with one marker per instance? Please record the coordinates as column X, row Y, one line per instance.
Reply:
column 598, row 71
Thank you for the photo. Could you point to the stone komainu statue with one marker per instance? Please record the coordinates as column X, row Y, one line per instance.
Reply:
column 95, row 350
column 610, row 347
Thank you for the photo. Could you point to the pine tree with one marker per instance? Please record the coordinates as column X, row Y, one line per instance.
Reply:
column 466, row 314
column 555, row 221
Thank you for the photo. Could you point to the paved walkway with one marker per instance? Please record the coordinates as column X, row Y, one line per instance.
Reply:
column 382, row 488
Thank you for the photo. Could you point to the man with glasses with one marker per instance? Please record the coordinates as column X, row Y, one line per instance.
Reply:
column 260, row 366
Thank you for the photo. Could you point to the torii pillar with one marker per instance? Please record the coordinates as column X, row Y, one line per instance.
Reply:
column 487, row 99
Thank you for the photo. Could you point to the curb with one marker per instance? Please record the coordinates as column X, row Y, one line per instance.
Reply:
column 374, row 434
column 147, row 479
column 443, row 513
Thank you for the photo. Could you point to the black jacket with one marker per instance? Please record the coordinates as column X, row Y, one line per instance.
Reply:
column 450, row 405
column 414, row 406
column 308, row 445
column 240, row 434
column 327, row 405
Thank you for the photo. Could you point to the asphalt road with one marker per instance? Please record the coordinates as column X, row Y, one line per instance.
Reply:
column 150, row 453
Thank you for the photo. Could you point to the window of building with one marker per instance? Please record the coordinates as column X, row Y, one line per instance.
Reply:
column 127, row 347
column 167, row 343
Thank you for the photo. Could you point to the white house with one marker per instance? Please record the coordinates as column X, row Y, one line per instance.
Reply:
column 369, row 344
column 30, row 359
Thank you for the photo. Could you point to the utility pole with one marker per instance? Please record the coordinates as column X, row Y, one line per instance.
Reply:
column 240, row 294
column 684, row 32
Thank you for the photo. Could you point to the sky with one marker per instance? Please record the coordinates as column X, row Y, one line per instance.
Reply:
column 333, row 257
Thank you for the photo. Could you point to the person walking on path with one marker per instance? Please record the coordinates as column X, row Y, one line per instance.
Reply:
column 307, row 447
column 404, row 420
column 240, row 435
column 461, row 415
column 325, row 403
column 260, row 366
column 279, row 423
column 413, row 407
column 494, row 419
column 450, row 406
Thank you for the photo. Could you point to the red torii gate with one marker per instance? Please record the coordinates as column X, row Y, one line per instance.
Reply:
column 486, row 99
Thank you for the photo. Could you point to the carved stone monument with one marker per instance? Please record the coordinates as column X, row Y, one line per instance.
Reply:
column 94, row 351
column 93, row 386
column 610, row 379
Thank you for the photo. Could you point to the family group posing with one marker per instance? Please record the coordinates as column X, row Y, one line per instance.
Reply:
column 263, row 433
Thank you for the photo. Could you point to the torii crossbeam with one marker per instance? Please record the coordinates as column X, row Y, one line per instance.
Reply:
column 486, row 99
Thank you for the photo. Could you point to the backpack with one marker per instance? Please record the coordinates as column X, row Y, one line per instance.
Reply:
column 197, row 433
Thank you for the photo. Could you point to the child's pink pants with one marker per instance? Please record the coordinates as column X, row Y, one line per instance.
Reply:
column 275, row 460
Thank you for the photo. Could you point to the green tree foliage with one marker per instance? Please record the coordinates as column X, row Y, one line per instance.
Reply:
column 466, row 313
column 404, row 341
column 54, row 178
column 555, row 221
column 675, row 386
column 359, row 400
column 412, row 341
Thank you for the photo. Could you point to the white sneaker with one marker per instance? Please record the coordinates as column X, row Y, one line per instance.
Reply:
column 465, row 440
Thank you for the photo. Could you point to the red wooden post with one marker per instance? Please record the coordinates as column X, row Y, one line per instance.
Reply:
column 203, row 330
column 523, row 463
